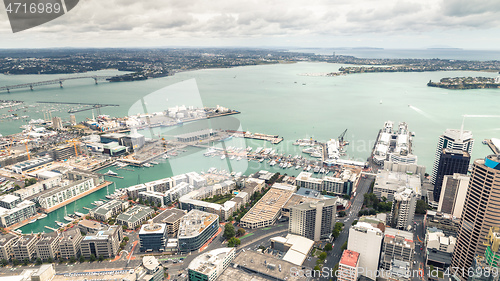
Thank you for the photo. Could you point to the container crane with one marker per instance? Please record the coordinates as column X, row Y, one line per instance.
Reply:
column 341, row 138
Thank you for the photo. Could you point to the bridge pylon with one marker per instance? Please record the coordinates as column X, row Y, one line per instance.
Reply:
column 60, row 84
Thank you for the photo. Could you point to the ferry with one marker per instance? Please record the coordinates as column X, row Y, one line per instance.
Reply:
column 111, row 173
column 32, row 221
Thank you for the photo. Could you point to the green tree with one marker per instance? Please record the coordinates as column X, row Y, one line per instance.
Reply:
column 241, row 232
column 317, row 268
column 354, row 222
column 38, row 261
column 125, row 239
column 347, row 197
column 230, row 218
column 344, row 246
column 233, row 242
column 101, row 258
column 4, row 262
column 422, row 207
column 50, row 260
column 26, row 261
column 15, row 262
column 328, row 247
column 82, row 259
column 322, row 256
column 124, row 227
column 72, row 259
column 229, row 230
column 92, row 258
column 342, row 214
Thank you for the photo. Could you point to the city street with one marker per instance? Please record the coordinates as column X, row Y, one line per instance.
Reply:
column 335, row 255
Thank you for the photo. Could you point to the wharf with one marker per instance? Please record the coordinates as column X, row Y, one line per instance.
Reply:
column 492, row 147
column 113, row 176
column 274, row 139
column 53, row 229
column 106, row 183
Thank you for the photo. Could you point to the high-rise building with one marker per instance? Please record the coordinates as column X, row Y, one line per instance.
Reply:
column 397, row 245
column 57, row 122
column 72, row 119
column 313, row 220
column 403, row 209
column 490, row 261
column 481, row 209
column 348, row 266
column 453, row 194
column 366, row 239
column 453, row 139
column 450, row 161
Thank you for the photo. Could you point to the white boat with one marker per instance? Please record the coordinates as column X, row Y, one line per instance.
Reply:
column 249, row 149
column 60, row 223
column 165, row 156
column 308, row 168
column 232, row 157
column 272, row 163
column 18, row 231
column 146, row 165
column 316, row 169
column 111, row 173
column 80, row 214
column 223, row 157
column 239, row 158
column 68, row 218
column 42, row 216
column 32, row 221
column 261, row 160
column 297, row 167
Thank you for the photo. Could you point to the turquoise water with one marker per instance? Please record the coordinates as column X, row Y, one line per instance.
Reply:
column 276, row 99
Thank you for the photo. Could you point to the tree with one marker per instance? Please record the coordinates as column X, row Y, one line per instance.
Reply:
column 229, row 230
column 322, row 256
column 230, row 218
column 317, row 268
column 4, row 262
column 101, row 258
column 82, row 259
column 50, row 260
column 344, row 246
column 347, row 197
column 125, row 239
column 15, row 262
column 233, row 242
column 241, row 232
column 354, row 222
column 328, row 247
column 342, row 214
column 92, row 258
column 124, row 227
column 26, row 261
column 422, row 207
column 38, row 261
column 72, row 259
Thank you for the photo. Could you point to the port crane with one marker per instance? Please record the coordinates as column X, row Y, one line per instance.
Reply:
column 341, row 137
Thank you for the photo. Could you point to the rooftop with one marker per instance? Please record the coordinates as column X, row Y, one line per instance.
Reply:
column 5, row 238
column 206, row 262
column 267, row 265
column 150, row 262
column 169, row 216
column 349, row 258
column 153, row 228
column 90, row 224
column 312, row 205
column 48, row 238
column 9, row 198
column 195, row 222
column 135, row 213
column 269, row 205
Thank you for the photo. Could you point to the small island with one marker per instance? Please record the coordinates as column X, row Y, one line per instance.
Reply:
column 463, row 83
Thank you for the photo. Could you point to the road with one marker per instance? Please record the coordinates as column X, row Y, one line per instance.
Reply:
column 335, row 255
column 419, row 256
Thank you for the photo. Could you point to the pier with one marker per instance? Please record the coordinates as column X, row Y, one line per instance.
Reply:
column 51, row 82
column 51, row 228
column 492, row 147
column 274, row 139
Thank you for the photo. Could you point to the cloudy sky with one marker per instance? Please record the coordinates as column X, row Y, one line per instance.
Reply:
column 469, row 24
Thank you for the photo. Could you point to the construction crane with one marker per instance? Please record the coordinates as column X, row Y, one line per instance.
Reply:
column 341, row 138
column 10, row 145
column 27, row 150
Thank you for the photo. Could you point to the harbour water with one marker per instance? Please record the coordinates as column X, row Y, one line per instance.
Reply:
column 277, row 99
